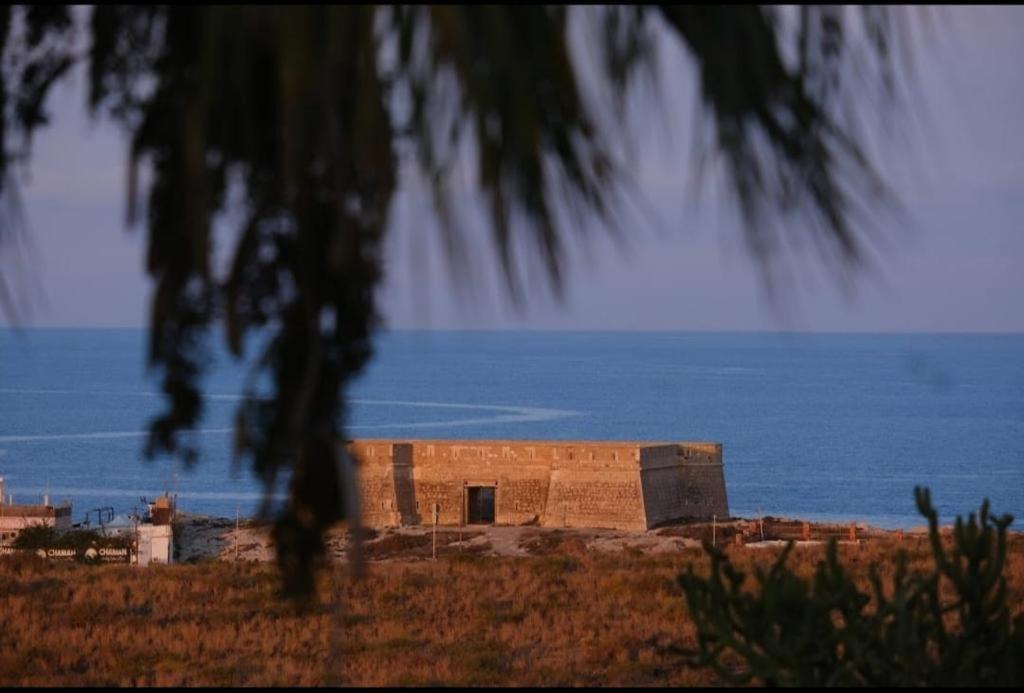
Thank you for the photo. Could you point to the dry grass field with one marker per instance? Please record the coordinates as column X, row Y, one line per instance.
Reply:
column 563, row 615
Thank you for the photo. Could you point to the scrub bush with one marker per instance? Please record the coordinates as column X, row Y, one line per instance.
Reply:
column 950, row 625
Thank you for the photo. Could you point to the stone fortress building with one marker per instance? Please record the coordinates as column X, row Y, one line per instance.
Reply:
column 629, row 486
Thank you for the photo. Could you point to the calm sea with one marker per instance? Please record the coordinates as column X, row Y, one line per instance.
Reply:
column 818, row 426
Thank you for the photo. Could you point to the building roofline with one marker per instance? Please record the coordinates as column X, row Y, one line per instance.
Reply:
column 503, row 441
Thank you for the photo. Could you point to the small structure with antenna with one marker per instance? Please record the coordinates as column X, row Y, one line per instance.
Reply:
column 16, row 517
column 154, row 532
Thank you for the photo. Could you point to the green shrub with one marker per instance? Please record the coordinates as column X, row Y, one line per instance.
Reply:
column 36, row 537
column 45, row 537
column 948, row 626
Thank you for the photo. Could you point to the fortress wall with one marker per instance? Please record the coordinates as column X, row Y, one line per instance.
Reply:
column 375, row 463
column 705, row 490
column 523, row 498
column 609, row 498
column 553, row 483
column 714, row 450
column 662, row 482
column 705, row 480
column 548, row 483
column 683, row 481
column 701, row 453
column 426, row 452
column 520, row 490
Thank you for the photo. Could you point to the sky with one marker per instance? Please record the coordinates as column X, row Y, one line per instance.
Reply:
column 953, row 263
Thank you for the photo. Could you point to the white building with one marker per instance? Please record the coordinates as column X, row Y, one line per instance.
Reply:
column 156, row 538
column 156, row 544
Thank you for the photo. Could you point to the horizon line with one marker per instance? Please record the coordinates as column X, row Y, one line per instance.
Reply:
column 588, row 330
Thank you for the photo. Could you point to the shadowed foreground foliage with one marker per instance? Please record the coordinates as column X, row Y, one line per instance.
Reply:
column 293, row 126
column 951, row 625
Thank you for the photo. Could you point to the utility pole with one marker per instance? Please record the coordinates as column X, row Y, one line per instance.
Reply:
column 133, row 558
column 433, row 547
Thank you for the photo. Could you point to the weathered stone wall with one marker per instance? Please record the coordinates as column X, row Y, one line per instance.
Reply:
column 661, row 481
column 704, row 493
column 551, row 483
column 609, row 498
column 683, row 481
column 377, row 498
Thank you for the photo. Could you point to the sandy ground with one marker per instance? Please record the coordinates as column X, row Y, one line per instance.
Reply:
column 200, row 537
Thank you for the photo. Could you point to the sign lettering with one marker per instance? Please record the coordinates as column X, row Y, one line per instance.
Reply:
column 107, row 554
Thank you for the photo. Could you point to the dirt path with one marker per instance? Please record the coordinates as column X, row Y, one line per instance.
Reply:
column 210, row 538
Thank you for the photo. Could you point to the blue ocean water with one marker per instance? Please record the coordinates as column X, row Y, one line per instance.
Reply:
column 817, row 426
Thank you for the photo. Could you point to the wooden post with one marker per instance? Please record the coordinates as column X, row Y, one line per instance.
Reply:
column 853, row 531
column 237, row 510
column 714, row 528
column 806, row 533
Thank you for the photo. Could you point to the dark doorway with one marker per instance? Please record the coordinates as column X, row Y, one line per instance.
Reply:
column 481, row 505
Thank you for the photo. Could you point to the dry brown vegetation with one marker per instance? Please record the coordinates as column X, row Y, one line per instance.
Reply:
column 565, row 616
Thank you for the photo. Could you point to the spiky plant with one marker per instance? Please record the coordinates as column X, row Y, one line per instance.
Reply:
column 948, row 626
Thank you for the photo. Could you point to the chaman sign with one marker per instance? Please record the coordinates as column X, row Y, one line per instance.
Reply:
column 92, row 554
